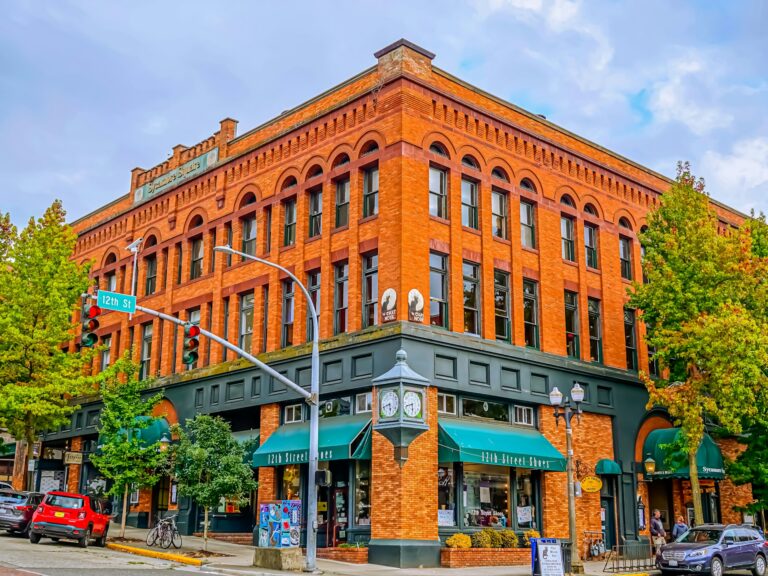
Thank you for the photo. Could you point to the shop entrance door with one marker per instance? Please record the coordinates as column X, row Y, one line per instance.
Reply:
column 660, row 493
column 608, row 521
column 333, row 507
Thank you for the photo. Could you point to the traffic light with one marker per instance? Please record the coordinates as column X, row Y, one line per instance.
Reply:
column 89, row 317
column 191, row 343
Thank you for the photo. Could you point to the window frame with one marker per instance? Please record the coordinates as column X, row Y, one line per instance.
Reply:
column 625, row 257
column 442, row 403
column 470, row 274
column 105, row 358
column 196, row 257
column 150, row 274
column 502, row 289
column 567, row 238
column 340, row 297
column 315, row 204
column 470, row 208
column 314, row 280
column 147, row 331
column 288, row 312
column 289, row 222
column 244, row 336
column 591, row 246
column 532, row 297
column 630, row 339
column 370, row 196
column 367, row 398
column 528, row 224
column 500, row 217
column 370, row 296
column 530, row 420
column 292, row 409
column 571, row 301
column 444, row 302
column 440, row 196
column 248, row 242
column 594, row 312
column 342, row 208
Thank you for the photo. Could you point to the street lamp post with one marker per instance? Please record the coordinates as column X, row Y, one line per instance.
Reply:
column 314, row 414
column 567, row 408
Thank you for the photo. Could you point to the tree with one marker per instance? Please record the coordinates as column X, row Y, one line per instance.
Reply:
column 208, row 465
column 40, row 286
column 704, row 306
column 751, row 467
column 124, row 456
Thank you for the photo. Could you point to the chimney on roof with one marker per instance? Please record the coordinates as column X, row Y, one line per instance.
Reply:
column 404, row 57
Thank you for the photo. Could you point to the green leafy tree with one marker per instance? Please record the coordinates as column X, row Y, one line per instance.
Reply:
column 751, row 467
column 208, row 465
column 704, row 305
column 123, row 455
column 40, row 287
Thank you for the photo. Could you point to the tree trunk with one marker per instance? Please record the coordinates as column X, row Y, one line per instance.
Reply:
column 29, row 458
column 698, row 513
column 125, row 512
column 205, row 530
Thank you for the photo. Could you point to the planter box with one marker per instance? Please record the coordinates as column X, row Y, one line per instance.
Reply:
column 466, row 557
column 351, row 555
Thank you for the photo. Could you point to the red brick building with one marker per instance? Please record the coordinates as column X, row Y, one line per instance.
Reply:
column 493, row 246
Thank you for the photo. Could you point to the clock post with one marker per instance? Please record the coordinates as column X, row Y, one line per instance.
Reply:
column 402, row 406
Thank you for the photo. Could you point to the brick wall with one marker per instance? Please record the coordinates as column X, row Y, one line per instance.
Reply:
column 75, row 470
column 467, row 557
column 269, row 422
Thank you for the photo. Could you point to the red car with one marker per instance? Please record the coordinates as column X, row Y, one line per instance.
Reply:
column 70, row 516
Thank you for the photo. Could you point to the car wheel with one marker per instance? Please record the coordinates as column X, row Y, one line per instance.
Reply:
column 717, row 567
column 759, row 568
column 83, row 542
column 34, row 538
column 101, row 541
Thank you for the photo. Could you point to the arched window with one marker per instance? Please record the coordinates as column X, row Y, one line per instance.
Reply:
column 590, row 209
column 315, row 171
column 439, row 149
column 196, row 221
column 150, row 241
column 249, row 198
column 369, row 148
column 566, row 200
column 624, row 223
column 111, row 259
column 470, row 162
column 340, row 160
column 526, row 184
column 500, row 174
column 290, row 182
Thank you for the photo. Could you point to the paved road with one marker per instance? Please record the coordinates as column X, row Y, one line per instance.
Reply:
column 18, row 557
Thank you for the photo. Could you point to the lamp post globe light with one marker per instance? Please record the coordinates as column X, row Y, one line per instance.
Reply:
column 567, row 408
column 314, row 413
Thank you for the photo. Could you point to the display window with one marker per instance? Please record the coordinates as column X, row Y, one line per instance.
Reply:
column 362, row 492
column 291, row 482
column 485, row 494
column 446, row 495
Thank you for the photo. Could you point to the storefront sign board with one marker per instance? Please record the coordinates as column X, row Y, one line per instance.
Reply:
column 591, row 484
column 176, row 176
column 446, row 517
column 73, row 458
column 547, row 557
column 389, row 305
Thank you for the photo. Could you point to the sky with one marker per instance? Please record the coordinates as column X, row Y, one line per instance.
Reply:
column 91, row 89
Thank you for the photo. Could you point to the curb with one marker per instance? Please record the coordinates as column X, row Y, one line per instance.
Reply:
column 154, row 554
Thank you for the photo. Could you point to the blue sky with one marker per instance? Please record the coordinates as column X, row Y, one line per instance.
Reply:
column 91, row 89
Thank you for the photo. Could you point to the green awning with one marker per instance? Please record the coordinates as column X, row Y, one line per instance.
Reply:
column 607, row 467
column 153, row 433
column 465, row 440
column 709, row 459
column 341, row 438
column 8, row 449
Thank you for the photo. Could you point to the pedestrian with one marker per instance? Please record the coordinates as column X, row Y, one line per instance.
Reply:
column 679, row 528
column 658, row 534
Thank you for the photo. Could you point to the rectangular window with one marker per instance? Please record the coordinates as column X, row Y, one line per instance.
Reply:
column 245, row 336
column 446, row 404
column 196, row 258
column 469, row 204
column 653, row 363
column 531, row 312
column 146, row 350
column 471, row 273
column 315, row 212
column 106, row 352
column 438, row 192
column 371, row 191
column 595, row 331
column 528, row 224
column 174, row 348
column 485, row 409
column 150, row 281
column 625, row 257
column 630, row 338
column 286, row 338
column 363, row 403
column 225, row 327
column 523, row 415
column 264, row 316
column 572, row 324
column 590, row 246
column 370, row 290
column 341, row 297
column 193, row 317
column 292, row 413
column 229, row 233
column 268, row 229
column 313, row 286
column 566, row 236
column 362, row 493
column 179, row 262
column 438, row 289
column 499, row 211
column 642, row 264
column 486, row 492
column 111, row 279
column 289, row 219
column 501, row 304
column 342, row 202
column 249, row 235
column 446, row 494
column 213, row 256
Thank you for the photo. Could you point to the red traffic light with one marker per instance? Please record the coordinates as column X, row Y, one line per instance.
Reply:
column 89, row 319
column 93, row 311
column 191, row 331
column 191, row 343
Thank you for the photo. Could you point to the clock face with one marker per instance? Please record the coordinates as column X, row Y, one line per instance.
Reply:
column 389, row 404
column 412, row 404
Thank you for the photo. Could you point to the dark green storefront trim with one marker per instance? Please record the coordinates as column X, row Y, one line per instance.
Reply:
column 8, row 449
column 606, row 467
column 709, row 459
column 465, row 440
column 341, row 438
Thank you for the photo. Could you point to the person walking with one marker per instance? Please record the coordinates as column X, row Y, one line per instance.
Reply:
column 658, row 534
column 679, row 528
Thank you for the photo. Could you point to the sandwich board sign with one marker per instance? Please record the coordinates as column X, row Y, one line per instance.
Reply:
column 547, row 557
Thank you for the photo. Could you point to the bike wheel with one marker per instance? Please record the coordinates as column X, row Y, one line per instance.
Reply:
column 176, row 538
column 152, row 536
column 166, row 538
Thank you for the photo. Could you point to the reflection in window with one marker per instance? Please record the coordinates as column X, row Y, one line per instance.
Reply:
column 290, row 487
column 363, row 492
column 525, row 499
column 486, row 495
column 446, row 495
column 485, row 409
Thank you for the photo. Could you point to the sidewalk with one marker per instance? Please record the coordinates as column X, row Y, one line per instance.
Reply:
column 239, row 561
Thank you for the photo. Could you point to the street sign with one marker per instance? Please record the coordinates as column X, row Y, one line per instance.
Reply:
column 116, row 301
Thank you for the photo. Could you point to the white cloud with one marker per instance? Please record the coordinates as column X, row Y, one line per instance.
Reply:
column 740, row 175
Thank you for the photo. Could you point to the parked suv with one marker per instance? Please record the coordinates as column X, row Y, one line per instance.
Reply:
column 715, row 549
column 16, row 509
column 72, row 516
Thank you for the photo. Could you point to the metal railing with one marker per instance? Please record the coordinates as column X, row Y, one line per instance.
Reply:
column 630, row 557
column 565, row 551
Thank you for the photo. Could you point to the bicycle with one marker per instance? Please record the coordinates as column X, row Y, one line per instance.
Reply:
column 165, row 533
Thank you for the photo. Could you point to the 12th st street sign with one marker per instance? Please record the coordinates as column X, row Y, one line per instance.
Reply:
column 116, row 301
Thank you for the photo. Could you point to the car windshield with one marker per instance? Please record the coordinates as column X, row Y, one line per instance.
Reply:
column 11, row 498
column 700, row 536
column 64, row 501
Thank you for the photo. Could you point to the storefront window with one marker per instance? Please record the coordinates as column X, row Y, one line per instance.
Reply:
column 363, row 492
column 525, row 505
column 484, row 409
column 486, row 495
column 446, row 495
column 291, row 486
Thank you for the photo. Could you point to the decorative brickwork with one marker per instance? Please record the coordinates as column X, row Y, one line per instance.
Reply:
column 467, row 557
